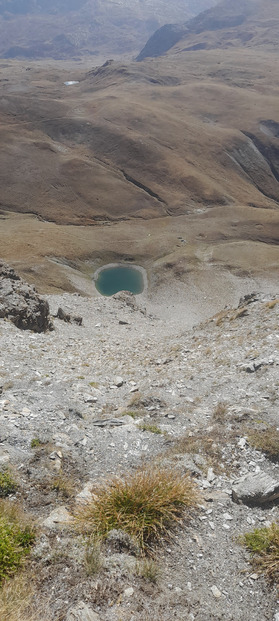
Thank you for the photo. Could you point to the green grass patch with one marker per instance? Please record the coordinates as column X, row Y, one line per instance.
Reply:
column 35, row 442
column 16, row 538
column 150, row 428
column 146, row 504
column 8, row 485
column 263, row 543
column 131, row 413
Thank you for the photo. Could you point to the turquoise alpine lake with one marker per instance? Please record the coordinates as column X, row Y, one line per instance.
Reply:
column 111, row 279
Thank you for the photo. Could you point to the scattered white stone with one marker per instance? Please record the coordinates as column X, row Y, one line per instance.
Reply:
column 25, row 412
column 227, row 516
column 128, row 592
column 215, row 591
column 242, row 443
column 119, row 381
column 82, row 612
column 210, row 475
column 89, row 399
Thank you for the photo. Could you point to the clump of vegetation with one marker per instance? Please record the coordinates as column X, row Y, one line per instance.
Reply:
column 266, row 441
column 35, row 442
column 92, row 556
column 207, row 445
column 63, row 485
column 16, row 538
column 148, row 569
column 150, row 428
column 263, row 543
column 220, row 411
column 15, row 599
column 146, row 504
column 21, row 601
column 8, row 485
column 270, row 305
column 133, row 414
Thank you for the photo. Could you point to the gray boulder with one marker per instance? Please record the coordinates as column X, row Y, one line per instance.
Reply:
column 255, row 489
column 82, row 612
column 20, row 302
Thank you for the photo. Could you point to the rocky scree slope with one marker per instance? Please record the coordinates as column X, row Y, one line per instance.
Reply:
column 83, row 402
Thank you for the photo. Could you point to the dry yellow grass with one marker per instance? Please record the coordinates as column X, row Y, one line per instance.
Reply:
column 267, row 441
column 146, row 504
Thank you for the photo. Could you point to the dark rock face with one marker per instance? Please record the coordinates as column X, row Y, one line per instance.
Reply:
column 225, row 15
column 162, row 40
column 20, row 302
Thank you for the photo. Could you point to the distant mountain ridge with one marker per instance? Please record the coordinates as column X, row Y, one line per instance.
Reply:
column 230, row 23
column 71, row 28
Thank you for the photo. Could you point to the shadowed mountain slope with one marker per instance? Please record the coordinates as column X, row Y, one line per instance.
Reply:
column 243, row 23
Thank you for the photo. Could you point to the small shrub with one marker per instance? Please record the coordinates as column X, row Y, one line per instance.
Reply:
column 145, row 504
column 266, row 441
column 7, row 484
column 150, row 428
column 16, row 538
column 263, row 543
column 35, row 442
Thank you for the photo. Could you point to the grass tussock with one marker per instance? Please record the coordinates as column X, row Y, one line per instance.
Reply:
column 20, row 600
column 16, row 538
column 8, row 485
column 149, row 569
column 266, row 441
column 63, row 485
column 151, row 428
column 15, row 599
column 93, row 558
column 263, row 543
column 220, row 412
column 133, row 414
column 146, row 504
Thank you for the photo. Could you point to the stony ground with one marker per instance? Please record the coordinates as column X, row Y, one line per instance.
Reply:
column 83, row 394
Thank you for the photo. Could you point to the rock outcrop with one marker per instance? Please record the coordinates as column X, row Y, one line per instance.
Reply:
column 20, row 302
